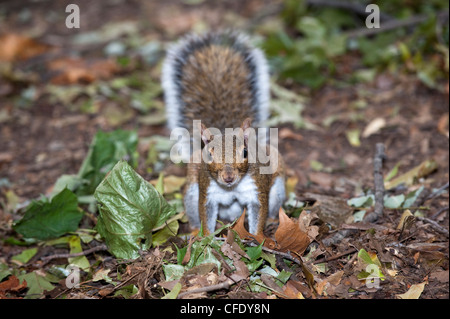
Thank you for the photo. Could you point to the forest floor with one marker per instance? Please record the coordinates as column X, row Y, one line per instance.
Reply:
column 43, row 137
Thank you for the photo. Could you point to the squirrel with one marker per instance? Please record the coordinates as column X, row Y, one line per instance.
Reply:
column 221, row 80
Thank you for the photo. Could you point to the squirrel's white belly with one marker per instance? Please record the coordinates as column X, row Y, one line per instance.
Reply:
column 231, row 201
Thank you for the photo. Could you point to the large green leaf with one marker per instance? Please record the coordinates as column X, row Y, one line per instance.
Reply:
column 45, row 219
column 130, row 209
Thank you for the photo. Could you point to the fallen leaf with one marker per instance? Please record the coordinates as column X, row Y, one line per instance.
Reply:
column 304, row 222
column 37, row 284
column 12, row 284
column 405, row 219
column 414, row 291
column 289, row 236
column 442, row 126
column 332, row 210
column 423, row 169
column 374, row 126
column 76, row 70
column 171, row 183
column 18, row 47
column 242, row 232
column 441, row 276
column 291, row 291
column 286, row 133
column 353, row 137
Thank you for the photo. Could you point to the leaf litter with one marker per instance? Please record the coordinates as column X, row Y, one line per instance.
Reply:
column 404, row 250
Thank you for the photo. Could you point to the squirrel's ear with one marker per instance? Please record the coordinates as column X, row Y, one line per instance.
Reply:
column 206, row 134
column 246, row 124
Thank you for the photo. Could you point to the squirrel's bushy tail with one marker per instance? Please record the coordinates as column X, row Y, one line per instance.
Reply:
column 218, row 78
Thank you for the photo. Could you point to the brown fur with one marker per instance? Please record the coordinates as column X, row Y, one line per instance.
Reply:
column 204, row 172
column 216, row 89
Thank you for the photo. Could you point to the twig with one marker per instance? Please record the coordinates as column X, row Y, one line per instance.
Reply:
column 326, row 259
column 378, row 184
column 443, row 209
column 394, row 24
column 434, row 194
column 223, row 285
column 379, row 194
column 83, row 253
column 434, row 225
column 350, row 6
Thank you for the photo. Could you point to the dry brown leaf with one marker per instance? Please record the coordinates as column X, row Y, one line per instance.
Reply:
column 414, row 291
column 187, row 256
column 440, row 275
column 289, row 236
column 269, row 281
column 291, row 291
column 286, row 133
column 12, row 284
column 17, row 47
column 75, row 70
column 304, row 222
column 242, row 232
column 442, row 125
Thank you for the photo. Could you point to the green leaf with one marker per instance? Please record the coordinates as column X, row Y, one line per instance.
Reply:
column 44, row 219
column 127, row 291
column 368, row 258
column 392, row 173
column 394, row 201
column 105, row 150
column 359, row 216
column 284, row 276
column 181, row 252
column 353, row 137
column 173, row 272
column 36, row 284
column 412, row 196
column 174, row 292
column 254, row 252
column 75, row 247
column 130, row 209
column 363, row 201
column 4, row 271
column 25, row 255
column 164, row 234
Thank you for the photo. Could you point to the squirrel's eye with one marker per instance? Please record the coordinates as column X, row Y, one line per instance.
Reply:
column 245, row 153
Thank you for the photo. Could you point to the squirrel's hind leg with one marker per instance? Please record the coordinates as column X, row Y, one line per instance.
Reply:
column 191, row 205
column 277, row 196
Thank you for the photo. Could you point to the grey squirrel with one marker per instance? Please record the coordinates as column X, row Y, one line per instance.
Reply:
column 219, row 79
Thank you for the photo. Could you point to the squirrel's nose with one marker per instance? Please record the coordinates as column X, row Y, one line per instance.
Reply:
column 228, row 179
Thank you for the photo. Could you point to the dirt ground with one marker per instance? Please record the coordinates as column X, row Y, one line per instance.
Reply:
column 44, row 140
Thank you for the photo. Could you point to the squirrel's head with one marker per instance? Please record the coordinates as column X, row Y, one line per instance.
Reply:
column 226, row 155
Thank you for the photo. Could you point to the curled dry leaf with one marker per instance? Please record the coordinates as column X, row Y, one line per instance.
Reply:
column 289, row 236
column 239, row 228
column 304, row 222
